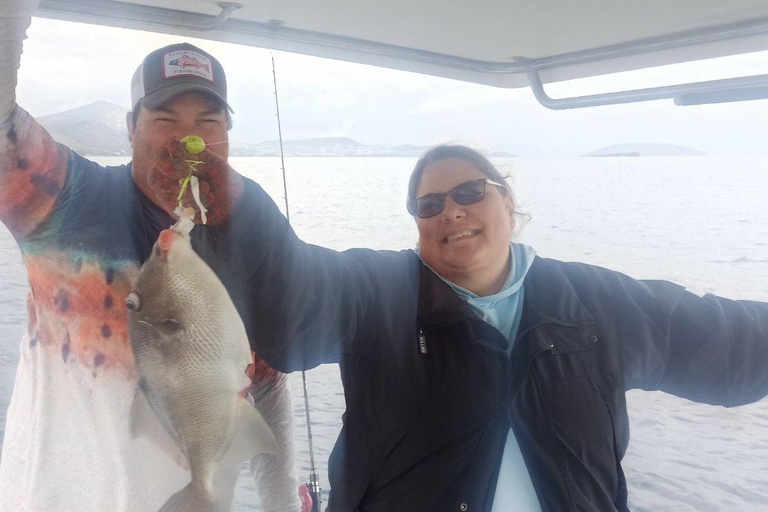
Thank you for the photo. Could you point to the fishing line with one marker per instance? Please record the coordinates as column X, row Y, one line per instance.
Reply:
column 314, row 480
column 194, row 145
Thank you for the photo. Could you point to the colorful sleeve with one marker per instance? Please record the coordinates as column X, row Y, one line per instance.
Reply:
column 33, row 167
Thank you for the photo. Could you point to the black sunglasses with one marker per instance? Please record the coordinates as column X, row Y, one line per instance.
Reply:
column 465, row 193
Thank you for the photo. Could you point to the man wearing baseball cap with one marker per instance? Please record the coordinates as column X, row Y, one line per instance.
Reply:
column 181, row 90
column 84, row 231
column 177, row 69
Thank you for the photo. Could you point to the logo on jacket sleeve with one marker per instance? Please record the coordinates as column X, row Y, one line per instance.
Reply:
column 187, row 62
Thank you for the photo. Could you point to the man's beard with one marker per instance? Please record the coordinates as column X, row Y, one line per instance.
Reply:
column 145, row 173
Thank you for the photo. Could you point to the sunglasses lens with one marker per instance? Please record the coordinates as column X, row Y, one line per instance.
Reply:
column 464, row 194
column 429, row 205
column 468, row 193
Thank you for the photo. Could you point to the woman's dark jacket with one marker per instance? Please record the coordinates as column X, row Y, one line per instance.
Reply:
column 431, row 390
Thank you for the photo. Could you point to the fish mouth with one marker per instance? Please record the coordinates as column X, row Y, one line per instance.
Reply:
column 165, row 242
column 461, row 235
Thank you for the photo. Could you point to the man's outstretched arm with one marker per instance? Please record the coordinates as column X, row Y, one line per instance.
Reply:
column 33, row 168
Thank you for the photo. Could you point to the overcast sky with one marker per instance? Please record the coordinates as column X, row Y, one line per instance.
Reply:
column 66, row 65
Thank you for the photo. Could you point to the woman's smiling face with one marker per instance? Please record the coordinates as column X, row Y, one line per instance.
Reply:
column 468, row 245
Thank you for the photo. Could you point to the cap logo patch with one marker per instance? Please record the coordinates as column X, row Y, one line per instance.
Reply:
column 187, row 62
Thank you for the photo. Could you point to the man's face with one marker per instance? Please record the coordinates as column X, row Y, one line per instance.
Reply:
column 187, row 114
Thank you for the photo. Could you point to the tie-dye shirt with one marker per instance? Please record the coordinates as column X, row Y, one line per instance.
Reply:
column 84, row 231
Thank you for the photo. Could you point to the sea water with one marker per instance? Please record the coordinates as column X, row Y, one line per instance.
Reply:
column 699, row 221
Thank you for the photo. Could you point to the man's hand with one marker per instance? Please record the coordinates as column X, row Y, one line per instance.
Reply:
column 220, row 185
column 19, row 9
column 15, row 17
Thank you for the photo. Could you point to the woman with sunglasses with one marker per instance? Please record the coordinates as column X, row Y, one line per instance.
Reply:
column 478, row 376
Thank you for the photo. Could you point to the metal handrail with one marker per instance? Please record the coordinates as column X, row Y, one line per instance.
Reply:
column 683, row 94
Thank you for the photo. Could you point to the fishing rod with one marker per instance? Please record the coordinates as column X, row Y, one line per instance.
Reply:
column 313, row 486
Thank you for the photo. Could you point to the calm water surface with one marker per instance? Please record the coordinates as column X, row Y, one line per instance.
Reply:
column 701, row 222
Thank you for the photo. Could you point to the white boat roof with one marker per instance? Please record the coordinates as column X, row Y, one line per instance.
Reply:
column 494, row 42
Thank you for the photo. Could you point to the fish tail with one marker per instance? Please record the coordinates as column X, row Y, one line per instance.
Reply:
column 193, row 498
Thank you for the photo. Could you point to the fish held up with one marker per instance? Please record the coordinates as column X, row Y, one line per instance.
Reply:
column 191, row 352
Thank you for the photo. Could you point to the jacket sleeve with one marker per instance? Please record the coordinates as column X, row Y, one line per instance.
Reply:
column 707, row 349
column 33, row 167
column 717, row 350
column 304, row 305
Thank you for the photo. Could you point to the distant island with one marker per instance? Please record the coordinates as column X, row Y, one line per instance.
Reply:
column 98, row 129
column 321, row 146
column 646, row 150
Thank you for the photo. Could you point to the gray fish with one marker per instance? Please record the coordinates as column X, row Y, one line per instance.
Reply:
column 191, row 352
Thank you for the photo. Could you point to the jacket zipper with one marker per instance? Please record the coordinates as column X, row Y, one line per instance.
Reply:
column 422, row 341
column 423, row 338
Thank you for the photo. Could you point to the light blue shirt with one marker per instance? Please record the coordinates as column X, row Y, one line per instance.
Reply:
column 503, row 310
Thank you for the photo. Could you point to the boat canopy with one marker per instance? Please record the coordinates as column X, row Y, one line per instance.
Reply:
column 503, row 43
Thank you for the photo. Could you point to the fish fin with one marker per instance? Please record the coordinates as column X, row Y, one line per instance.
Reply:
column 224, row 482
column 144, row 423
column 252, row 435
column 192, row 498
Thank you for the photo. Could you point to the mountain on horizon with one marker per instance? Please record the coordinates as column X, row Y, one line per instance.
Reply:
column 323, row 146
column 98, row 129
column 646, row 150
column 95, row 129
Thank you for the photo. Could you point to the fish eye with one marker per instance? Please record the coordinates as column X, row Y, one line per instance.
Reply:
column 133, row 302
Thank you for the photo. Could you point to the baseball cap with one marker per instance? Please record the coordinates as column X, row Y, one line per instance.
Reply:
column 177, row 69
